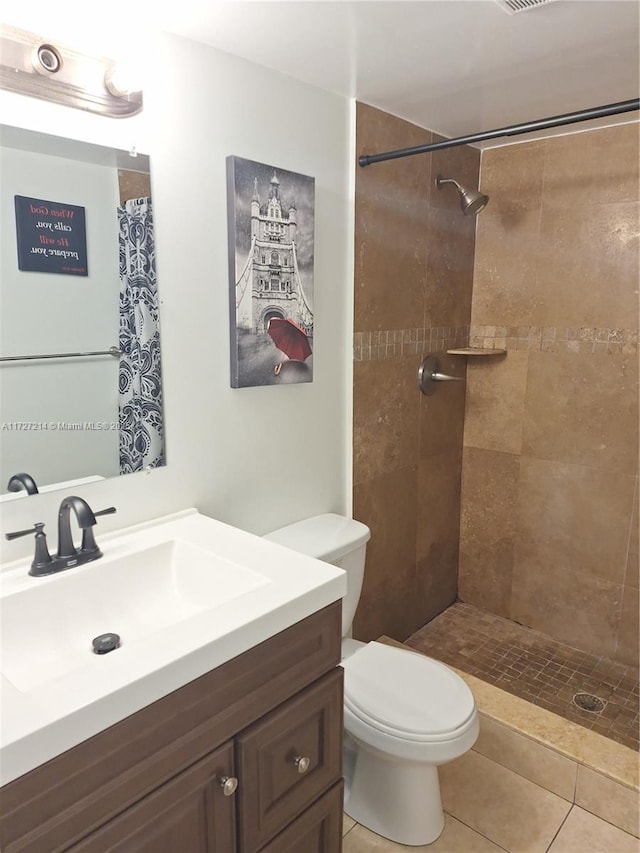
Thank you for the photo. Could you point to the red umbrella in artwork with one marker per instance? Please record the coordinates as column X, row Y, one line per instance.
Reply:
column 289, row 338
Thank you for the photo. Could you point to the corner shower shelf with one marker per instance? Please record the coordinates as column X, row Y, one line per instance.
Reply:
column 476, row 351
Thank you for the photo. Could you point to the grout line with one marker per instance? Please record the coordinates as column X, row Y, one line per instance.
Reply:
column 564, row 820
column 344, row 834
column 481, row 834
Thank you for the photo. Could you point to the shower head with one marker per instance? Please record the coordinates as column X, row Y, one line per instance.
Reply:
column 471, row 201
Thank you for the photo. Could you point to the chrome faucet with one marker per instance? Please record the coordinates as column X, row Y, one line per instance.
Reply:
column 68, row 556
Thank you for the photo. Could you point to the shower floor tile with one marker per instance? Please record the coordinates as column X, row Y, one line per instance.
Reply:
column 535, row 667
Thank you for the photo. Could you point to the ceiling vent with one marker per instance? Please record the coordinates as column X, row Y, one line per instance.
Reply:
column 511, row 7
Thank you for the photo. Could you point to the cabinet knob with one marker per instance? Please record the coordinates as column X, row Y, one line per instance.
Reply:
column 302, row 763
column 228, row 785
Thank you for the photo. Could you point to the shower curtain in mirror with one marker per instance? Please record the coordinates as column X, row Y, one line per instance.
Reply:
column 140, row 386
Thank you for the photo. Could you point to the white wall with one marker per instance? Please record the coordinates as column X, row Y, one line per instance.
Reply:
column 254, row 457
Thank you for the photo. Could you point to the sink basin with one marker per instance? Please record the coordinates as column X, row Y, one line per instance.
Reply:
column 185, row 593
column 47, row 630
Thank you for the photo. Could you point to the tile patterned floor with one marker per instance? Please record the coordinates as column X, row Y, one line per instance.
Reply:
column 536, row 667
column 578, row 831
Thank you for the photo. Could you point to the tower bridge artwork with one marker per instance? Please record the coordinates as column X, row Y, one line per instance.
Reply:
column 271, row 252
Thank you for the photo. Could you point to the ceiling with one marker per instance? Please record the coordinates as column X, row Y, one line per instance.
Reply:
column 454, row 66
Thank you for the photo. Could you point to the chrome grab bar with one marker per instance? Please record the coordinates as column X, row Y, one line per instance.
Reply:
column 114, row 351
column 428, row 375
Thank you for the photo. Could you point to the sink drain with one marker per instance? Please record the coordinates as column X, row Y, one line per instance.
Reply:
column 105, row 643
column 589, row 702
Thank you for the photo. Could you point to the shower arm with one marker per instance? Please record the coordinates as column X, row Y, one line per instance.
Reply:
column 440, row 181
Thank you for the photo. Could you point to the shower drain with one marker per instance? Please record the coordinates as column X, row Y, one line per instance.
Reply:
column 589, row 702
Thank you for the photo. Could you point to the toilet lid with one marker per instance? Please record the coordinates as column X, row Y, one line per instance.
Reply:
column 405, row 692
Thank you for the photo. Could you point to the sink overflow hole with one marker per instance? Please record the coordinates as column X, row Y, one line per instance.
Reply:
column 589, row 702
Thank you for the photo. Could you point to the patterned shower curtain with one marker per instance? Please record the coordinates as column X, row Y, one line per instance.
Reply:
column 140, row 385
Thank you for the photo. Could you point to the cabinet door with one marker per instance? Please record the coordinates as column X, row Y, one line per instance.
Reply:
column 288, row 759
column 189, row 813
column 317, row 830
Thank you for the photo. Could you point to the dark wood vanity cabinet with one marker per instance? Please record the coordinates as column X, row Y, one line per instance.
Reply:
column 189, row 813
column 154, row 783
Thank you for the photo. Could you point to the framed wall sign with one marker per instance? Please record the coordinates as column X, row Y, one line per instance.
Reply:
column 271, row 246
column 51, row 236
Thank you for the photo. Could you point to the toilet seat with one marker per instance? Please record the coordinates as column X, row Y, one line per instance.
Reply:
column 406, row 695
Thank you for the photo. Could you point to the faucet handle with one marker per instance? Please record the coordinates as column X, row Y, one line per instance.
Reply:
column 108, row 511
column 18, row 533
column 42, row 561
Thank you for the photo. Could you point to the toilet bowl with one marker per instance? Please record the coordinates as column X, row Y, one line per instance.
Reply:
column 404, row 713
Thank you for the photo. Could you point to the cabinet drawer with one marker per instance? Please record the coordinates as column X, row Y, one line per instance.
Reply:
column 272, row 790
column 189, row 813
column 318, row 830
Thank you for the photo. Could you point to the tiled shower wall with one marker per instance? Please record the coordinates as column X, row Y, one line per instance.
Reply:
column 414, row 273
column 549, row 532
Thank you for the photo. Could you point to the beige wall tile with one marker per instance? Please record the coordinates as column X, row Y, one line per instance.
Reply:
column 436, row 581
column 577, row 175
column 487, row 528
column 629, row 628
column 573, row 517
column 438, row 500
column 513, row 174
column 387, row 505
column 582, row 409
column 503, row 806
column 527, row 758
column 414, row 255
column 442, row 414
column 583, row 254
column 390, row 264
column 572, row 606
column 633, row 557
column 386, row 411
column 380, row 131
column 505, row 266
column 583, row 831
column 449, row 278
column 496, row 389
column 438, row 532
column 455, row 838
column 391, row 226
column 609, row 800
column 558, row 248
column 507, row 235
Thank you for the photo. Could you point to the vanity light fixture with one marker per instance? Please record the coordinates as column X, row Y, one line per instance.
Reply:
column 31, row 65
column 121, row 81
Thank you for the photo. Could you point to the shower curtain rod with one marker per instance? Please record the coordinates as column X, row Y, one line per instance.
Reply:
column 512, row 130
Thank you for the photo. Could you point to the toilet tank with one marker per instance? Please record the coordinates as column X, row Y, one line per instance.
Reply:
column 334, row 539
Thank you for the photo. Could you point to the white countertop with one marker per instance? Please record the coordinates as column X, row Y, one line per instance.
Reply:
column 38, row 723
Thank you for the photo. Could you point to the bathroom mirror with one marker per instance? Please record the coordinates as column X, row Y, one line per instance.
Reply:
column 80, row 369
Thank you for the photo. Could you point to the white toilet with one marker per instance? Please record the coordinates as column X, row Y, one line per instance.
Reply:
column 404, row 713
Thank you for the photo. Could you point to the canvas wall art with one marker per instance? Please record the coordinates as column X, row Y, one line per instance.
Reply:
column 271, row 246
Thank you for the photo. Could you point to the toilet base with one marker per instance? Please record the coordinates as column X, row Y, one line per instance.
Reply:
column 398, row 800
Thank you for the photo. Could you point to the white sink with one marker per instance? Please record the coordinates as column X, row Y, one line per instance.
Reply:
column 185, row 593
column 47, row 630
